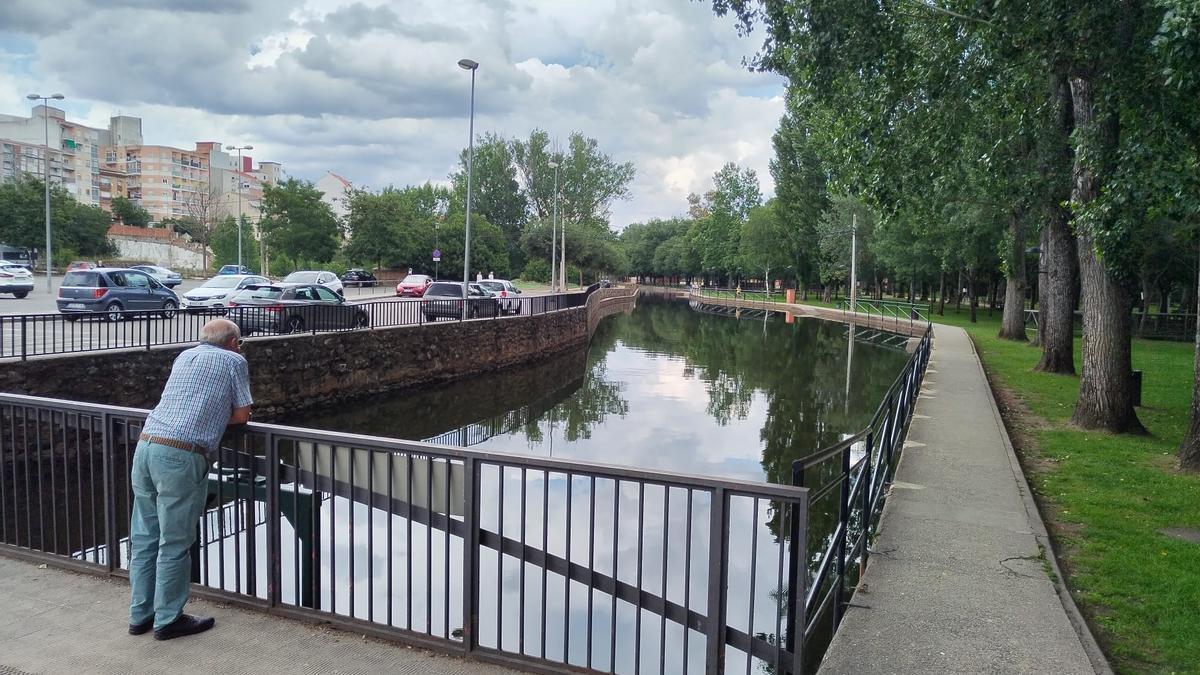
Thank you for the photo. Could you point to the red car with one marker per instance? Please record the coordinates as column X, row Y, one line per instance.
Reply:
column 413, row 285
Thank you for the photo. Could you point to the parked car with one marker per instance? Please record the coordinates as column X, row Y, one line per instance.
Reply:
column 445, row 299
column 413, row 285
column 293, row 308
column 327, row 279
column 15, row 279
column 359, row 278
column 81, row 265
column 112, row 290
column 165, row 276
column 233, row 269
column 214, row 294
column 506, row 293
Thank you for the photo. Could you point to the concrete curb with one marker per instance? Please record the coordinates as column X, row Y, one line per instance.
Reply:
column 1038, row 526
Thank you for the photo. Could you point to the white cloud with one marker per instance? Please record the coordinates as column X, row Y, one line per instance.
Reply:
column 371, row 89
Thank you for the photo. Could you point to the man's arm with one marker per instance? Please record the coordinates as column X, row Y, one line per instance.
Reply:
column 241, row 394
column 240, row 415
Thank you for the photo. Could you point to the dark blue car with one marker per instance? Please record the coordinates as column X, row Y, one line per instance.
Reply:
column 108, row 291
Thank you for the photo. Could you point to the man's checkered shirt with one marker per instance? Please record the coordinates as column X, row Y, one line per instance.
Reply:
column 205, row 385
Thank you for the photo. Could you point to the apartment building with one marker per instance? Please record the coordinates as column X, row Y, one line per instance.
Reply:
column 98, row 165
column 73, row 155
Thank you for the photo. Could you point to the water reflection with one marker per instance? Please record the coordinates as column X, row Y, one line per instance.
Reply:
column 663, row 387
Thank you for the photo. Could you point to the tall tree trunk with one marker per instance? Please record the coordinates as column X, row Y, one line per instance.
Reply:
column 1106, row 383
column 973, row 296
column 1189, row 450
column 1059, row 262
column 1012, row 327
column 958, row 292
column 942, row 295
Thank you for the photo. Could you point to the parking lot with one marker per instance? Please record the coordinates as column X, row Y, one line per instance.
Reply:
column 52, row 335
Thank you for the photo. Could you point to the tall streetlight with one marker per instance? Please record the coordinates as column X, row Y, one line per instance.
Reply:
column 554, row 230
column 46, row 162
column 468, row 64
column 239, row 149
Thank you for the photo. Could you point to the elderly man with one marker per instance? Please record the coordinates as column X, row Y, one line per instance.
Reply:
column 209, row 389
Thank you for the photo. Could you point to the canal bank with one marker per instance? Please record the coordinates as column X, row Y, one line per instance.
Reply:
column 962, row 578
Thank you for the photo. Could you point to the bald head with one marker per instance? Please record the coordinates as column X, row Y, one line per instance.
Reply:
column 221, row 333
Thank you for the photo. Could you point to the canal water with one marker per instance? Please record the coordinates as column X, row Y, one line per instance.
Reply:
column 663, row 387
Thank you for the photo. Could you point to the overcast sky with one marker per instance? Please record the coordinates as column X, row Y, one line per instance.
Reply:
column 371, row 90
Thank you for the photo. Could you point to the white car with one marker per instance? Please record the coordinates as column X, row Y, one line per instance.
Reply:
column 215, row 293
column 15, row 279
column 327, row 279
column 163, row 275
column 505, row 293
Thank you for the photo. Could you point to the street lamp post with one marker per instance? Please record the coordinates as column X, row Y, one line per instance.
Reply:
column 554, row 230
column 468, row 64
column 854, row 264
column 46, row 163
column 239, row 149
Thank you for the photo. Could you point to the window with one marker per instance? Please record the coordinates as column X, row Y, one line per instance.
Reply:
column 326, row 294
column 118, row 279
column 137, row 280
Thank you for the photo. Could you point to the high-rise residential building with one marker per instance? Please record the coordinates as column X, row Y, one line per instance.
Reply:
column 98, row 165
column 74, row 151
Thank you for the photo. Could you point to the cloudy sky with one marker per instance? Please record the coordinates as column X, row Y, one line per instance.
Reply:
column 371, row 89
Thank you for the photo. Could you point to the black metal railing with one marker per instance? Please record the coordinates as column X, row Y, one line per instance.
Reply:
column 541, row 563
column 892, row 313
column 1178, row 327
column 855, row 474
column 26, row 335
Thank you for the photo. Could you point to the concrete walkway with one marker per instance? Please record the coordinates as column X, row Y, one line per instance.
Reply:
column 53, row 621
column 958, row 582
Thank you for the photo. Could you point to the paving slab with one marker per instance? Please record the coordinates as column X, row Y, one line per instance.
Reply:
column 53, row 621
column 959, row 582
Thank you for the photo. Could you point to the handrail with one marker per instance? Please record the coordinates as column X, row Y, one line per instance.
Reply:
column 426, row 507
column 49, row 333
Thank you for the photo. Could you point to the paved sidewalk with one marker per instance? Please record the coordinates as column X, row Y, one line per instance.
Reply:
column 958, row 582
column 53, row 621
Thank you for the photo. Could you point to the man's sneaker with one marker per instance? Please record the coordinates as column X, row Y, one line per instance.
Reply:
column 186, row 624
column 141, row 628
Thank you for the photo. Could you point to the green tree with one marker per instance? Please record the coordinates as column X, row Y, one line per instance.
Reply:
column 761, row 242
column 297, row 225
column 74, row 226
column 496, row 194
column 225, row 244
column 589, row 180
column 129, row 213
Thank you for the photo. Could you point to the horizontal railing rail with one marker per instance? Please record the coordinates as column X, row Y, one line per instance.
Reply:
column 26, row 335
column 543, row 563
column 887, row 312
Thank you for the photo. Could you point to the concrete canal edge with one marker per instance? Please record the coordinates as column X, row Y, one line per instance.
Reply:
column 963, row 578
column 293, row 372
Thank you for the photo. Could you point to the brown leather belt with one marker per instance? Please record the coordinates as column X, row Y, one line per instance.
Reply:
column 172, row 443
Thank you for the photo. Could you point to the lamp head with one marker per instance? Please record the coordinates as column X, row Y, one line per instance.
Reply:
column 468, row 64
column 230, row 147
column 57, row 97
column 248, row 147
column 552, row 164
column 33, row 97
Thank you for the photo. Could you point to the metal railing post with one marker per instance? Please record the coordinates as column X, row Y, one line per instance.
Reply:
column 718, row 549
column 147, row 317
column 112, row 560
column 23, row 333
column 274, row 531
column 844, row 526
column 470, row 564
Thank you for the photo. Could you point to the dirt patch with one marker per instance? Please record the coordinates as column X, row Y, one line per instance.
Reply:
column 1182, row 533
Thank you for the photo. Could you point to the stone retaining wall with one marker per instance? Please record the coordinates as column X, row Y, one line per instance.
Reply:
column 293, row 372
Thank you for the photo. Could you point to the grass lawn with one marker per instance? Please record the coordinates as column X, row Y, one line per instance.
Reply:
column 1106, row 498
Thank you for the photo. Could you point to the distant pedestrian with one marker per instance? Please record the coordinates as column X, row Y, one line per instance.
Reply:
column 491, row 276
column 479, row 276
column 208, row 390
